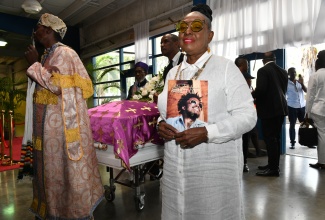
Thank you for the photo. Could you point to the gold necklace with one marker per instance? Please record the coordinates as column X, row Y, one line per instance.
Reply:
column 196, row 75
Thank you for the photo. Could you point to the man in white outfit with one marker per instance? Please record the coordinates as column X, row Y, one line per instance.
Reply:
column 316, row 106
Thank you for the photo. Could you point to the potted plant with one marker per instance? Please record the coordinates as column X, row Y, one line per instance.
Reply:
column 12, row 94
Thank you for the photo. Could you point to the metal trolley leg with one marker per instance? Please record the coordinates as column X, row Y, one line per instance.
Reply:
column 139, row 196
column 110, row 190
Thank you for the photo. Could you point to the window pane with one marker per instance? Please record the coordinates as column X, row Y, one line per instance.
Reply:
column 128, row 53
column 101, row 101
column 150, row 47
column 129, row 82
column 157, row 41
column 107, row 74
column 161, row 63
column 107, row 89
column 107, row 59
column 126, row 66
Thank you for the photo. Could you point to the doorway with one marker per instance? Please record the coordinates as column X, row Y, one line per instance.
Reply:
column 255, row 63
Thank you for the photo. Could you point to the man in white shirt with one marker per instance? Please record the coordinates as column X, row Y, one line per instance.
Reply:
column 296, row 103
column 316, row 107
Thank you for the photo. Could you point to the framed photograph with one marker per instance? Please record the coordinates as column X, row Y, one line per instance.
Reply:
column 187, row 103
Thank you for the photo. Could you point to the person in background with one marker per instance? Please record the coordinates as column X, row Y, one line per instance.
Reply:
column 252, row 135
column 169, row 46
column 203, row 165
column 316, row 106
column 66, row 182
column 140, row 71
column 296, row 103
column 271, row 106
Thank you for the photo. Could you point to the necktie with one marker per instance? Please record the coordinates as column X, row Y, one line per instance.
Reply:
column 166, row 70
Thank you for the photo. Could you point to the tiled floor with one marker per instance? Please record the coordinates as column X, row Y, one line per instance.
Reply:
column 299, row 149
column 297, row 194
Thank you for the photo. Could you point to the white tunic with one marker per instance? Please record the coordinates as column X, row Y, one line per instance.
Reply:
column 205, row 182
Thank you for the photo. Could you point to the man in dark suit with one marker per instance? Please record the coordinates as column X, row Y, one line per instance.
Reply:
column 271, row 106
column 169, row 46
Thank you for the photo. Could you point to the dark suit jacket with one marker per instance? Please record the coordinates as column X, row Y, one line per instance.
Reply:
column 270, row 92
column 167, row 68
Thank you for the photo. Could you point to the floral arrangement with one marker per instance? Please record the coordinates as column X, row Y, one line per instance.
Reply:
column 153, row 86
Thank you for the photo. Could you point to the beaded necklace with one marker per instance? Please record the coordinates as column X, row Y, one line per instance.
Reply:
column 196, row 75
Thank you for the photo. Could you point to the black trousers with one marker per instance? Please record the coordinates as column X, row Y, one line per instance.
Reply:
column 271, row 128
column 251, row 135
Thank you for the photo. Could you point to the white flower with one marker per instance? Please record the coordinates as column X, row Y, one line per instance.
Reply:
column 144, row 92
column 149, row 87
column 155, row 79
column 137, row 97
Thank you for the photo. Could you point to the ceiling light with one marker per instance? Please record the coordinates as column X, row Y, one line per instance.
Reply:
column 3, row 42
column 31, row 6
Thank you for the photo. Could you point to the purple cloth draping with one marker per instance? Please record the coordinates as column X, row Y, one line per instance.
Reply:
column 125, row 125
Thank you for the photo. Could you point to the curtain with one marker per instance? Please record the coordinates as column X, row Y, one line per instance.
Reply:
column 247, row 26
column 141, row 38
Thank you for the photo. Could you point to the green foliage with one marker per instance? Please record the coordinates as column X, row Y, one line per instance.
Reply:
column 12, row 94
column 98, row 75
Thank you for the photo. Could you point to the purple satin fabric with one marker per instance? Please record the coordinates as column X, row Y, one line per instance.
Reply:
column 125, row 124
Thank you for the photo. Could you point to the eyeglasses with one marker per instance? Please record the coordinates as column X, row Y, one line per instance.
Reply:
column 182, row 85
column 196, row 26
column 193, row 102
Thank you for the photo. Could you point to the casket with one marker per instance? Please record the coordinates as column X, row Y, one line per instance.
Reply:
column 126, row 125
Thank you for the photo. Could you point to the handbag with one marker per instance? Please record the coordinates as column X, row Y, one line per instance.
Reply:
column 307, row 133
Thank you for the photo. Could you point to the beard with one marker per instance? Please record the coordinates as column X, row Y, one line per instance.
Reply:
column 192, row 115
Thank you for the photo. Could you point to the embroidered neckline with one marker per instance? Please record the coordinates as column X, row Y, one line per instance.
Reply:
column 49, row 51
column 196, row 75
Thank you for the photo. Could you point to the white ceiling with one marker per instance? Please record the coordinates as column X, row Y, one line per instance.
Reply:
column 73, row 12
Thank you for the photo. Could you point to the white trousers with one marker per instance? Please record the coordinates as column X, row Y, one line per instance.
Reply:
column 320, row 125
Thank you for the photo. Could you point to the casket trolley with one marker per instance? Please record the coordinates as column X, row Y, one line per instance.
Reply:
column 126, row 139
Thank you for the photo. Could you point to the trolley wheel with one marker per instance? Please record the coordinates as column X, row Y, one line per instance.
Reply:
column 109, row 193
column 139, row 202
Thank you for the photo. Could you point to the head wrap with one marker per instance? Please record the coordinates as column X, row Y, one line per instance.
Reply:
column 142, row 65
column 203, row 9
column 53, row 22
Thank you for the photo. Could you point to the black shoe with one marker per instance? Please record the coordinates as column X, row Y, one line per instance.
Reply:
column 292, row 147
column 311, row 146
column 317, row 166
column 268, row 172
column 263, row 167
column 245, row 169
column 156, row 177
